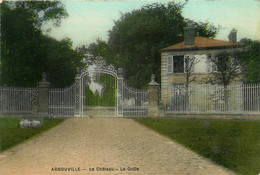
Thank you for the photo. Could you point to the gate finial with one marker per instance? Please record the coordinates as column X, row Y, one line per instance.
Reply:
column 153, row 82
column 120, row 72
column 44, row 75
column 44, row 82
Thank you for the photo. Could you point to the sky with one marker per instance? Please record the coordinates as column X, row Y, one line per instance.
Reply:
column 90, row 20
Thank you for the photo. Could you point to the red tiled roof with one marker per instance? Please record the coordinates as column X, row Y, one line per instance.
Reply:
column 202, row 42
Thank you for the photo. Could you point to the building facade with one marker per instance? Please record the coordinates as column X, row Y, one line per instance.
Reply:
column 192, row 54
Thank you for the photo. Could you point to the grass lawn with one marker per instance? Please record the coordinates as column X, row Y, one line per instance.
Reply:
column 12, row 134
column 235, row 145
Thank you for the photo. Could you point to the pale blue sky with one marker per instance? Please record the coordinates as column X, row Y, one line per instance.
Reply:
column 88, row 21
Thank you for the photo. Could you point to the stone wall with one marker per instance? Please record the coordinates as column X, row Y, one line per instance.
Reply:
column 233, row 117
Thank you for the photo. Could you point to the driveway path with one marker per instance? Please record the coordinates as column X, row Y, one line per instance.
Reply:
column 106, row 146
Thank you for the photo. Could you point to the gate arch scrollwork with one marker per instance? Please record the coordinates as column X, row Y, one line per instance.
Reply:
column 96, row 65
column 101, row 66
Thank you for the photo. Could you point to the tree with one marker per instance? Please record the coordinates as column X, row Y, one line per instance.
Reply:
column 40, row 13
column 61, row 62
column 26, row 52
column 98, row 48
column 137, row 37
column 228, row 69
column 18, row 38
column 204, row 29
column 186, row 65
column 189, row 74
column 251, row 61
column 227, row 66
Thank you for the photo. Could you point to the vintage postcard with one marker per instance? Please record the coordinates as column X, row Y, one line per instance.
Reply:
column 130, row 87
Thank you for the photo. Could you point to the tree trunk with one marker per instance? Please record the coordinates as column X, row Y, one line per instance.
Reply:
column 226, row 98
column 187, row 103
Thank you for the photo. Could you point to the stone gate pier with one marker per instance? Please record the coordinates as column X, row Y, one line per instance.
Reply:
column 153, row 99
column 40, row 107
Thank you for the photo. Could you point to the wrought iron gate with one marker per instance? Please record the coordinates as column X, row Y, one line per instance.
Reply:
column 62, row 101
column 69, row 102
column 17, row 99
column 134, row 101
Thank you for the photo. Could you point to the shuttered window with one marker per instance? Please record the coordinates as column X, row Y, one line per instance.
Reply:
column 169, row 64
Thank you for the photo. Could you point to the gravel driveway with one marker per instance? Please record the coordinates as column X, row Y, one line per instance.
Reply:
column 103, row 146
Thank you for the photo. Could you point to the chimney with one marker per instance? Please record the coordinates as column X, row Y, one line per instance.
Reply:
column 232, row 37
column 189, row 36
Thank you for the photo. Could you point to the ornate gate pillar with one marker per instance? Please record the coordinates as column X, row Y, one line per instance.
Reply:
column 36, row 119
column 43, row 98
column 153, row 99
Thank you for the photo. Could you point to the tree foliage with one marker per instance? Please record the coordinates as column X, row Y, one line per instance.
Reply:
column 251, row 60
column 204, row 29
column 137, row 37
column 39, row 13
column 26, row 52
column 227, row 66
column 60, row 61
column 228, row 69
column 98, row 48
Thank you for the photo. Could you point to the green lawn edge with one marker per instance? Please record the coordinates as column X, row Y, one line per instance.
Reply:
column 48, row 126
column 238, row 149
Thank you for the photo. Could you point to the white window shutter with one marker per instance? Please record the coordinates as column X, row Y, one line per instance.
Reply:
column 169, row 64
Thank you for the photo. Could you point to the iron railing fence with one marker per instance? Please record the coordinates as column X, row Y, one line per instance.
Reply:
column 236, row 98
column 17, row 99
column 135, row 101
column 62, row 101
